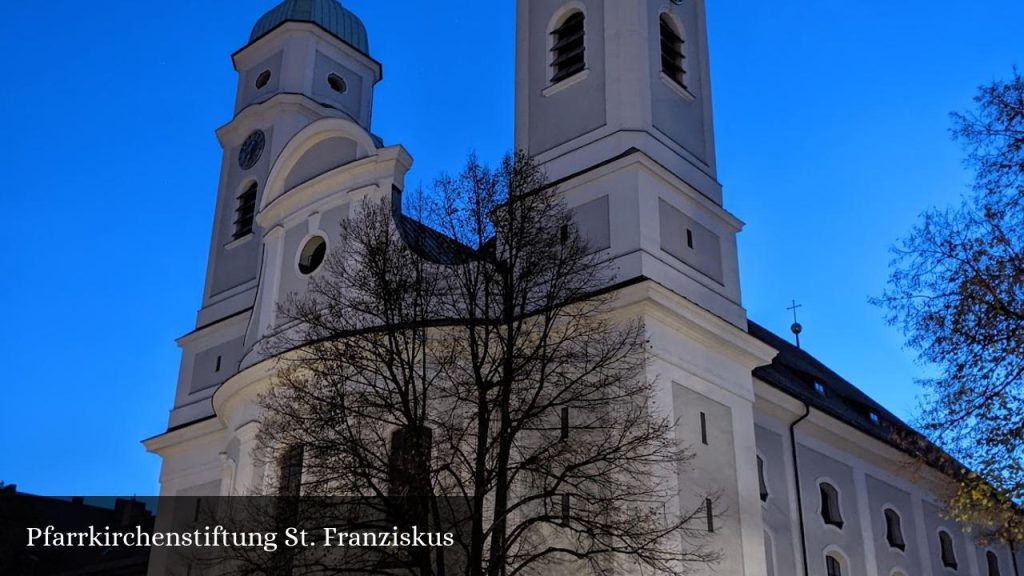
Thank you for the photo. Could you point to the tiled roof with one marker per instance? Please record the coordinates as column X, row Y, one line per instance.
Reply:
column 802, row 376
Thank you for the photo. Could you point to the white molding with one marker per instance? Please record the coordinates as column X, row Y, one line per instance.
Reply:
column 682, row 91
column 866, row 527
column 566, row 83
column 235, row 243
column 167, row 440
column 297, row 147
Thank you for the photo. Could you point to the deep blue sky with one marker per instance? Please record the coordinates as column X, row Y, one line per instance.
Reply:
column 832, row 132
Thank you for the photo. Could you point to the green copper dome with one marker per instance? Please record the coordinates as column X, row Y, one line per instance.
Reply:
column 327, row 14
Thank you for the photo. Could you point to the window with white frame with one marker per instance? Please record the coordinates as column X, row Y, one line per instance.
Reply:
column 992, row 562
column 894, row 530
column 830, row 511
column 833, row 567
column 946, row 551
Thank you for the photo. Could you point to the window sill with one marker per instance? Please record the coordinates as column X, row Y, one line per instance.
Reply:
column 566, row 83
column 838, row 527
column 684, row 93
column 238, row 241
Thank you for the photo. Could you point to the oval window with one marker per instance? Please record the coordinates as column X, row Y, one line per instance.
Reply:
column 262, row 79
column 337, row 83
column 312, row 255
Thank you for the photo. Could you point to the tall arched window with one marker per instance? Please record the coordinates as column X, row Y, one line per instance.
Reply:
column 833, row 567
column 830, row 511
column 946, row 550
column 568, row 50
column 672, row 57
column 245, row 212
column 894, row 530
column 993, row 563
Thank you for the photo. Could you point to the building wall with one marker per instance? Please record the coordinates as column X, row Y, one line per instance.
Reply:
column 870, row 477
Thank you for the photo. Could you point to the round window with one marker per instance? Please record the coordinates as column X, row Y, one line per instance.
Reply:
column 262, row 79
column 337, row 83
column 312, row 255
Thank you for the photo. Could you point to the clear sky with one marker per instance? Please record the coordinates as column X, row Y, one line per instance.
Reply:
column 832, row 134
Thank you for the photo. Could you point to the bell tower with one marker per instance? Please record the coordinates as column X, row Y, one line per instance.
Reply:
column 305, row 61
column 614, row 99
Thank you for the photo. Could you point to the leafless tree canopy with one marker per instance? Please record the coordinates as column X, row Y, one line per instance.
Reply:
column 957, row 290
column 500, row 376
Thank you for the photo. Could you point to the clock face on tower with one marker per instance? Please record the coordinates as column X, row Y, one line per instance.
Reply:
column 251, row 150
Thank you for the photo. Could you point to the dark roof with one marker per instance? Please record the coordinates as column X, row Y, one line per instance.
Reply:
column 796, row 373
column 327, row 14
column 433, row 245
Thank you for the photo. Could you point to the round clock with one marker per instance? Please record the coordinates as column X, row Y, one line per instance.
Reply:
column 251, row 150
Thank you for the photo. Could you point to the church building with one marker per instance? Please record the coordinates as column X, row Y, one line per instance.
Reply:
column 613, row 99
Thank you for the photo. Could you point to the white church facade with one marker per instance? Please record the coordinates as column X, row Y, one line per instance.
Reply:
column 613, row 99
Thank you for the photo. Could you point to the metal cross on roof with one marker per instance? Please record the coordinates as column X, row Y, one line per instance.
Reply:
column 796, row 328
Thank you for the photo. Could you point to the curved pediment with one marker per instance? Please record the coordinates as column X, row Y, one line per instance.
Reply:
column 321, row 147
column 323, row 157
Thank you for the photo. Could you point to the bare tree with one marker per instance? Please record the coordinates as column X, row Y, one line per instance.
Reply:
column 957, row 290
column 482, row 361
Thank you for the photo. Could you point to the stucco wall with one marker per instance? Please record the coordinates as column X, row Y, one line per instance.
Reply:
column 578, row 109
column 681, row 119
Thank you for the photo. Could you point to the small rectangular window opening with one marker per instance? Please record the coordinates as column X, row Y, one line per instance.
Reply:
column 874, row 417
column 819, row 388
column 217, row 368
column 689, row 239
column 563, row 233
column 709, row 507
column 566, row 509
column 704, row 428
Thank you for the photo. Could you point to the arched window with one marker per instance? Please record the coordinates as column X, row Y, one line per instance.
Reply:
column 833, row 567
column 245, row 212
column 993, row 563
column 894, row 530
column 672, row 58
column 830, row 511
column 568, row 50
column 760, row 479
column 946, row 550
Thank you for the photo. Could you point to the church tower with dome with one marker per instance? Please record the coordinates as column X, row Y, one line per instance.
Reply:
column 613, row 98
column 303, row 109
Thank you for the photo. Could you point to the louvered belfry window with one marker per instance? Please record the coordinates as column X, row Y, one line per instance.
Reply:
column 245, row 213
column 568, row 52
column 672, row 57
